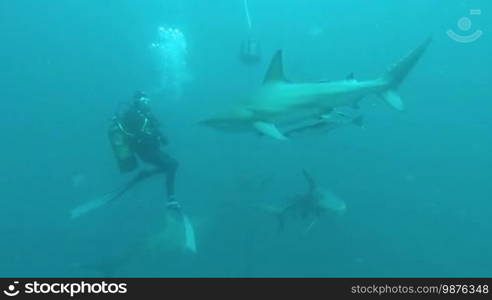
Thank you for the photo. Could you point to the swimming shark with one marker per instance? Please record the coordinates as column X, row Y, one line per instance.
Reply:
column 279, row 101
column 335, row 120
column 316, row 202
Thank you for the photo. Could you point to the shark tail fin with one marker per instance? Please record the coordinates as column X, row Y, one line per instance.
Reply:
column 395, row 76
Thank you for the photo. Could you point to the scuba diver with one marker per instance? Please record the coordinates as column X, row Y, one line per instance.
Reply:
column 136, row 133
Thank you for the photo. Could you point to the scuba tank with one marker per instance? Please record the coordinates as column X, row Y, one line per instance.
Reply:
column 120, row 145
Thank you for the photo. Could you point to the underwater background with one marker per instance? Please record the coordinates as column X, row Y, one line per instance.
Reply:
column 416, row 183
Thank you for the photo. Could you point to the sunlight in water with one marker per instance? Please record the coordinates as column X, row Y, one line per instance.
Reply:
column 171, row 51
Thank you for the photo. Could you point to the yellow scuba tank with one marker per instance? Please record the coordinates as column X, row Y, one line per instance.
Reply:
column 122, row 151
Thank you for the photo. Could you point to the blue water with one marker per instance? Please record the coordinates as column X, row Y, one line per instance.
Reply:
column 416, row 183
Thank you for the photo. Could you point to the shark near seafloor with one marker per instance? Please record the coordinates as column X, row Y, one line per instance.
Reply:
column 312, row 205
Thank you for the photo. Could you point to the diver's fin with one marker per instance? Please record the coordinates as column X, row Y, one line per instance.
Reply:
column 112, row 196
column 270, row 130
column 188, row 231
column 89, row 206
column 393, row 99
column 190, row 241
column 275, row 72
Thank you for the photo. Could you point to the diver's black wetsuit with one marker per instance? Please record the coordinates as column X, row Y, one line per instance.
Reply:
column 145, row 138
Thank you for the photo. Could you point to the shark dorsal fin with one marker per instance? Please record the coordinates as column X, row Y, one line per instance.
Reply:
column 310, row 180
column 275, row 71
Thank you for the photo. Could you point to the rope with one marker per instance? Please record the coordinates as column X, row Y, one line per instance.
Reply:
column 248, row 18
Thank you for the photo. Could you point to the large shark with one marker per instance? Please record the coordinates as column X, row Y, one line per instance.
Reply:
column 279, row 101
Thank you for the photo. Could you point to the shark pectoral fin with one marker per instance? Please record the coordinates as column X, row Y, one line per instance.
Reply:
column 393, row 99
column 270, row 130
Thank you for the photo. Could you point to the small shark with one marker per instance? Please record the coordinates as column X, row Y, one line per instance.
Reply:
column 335, row 120
column 280, row 101
column 312, row 205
